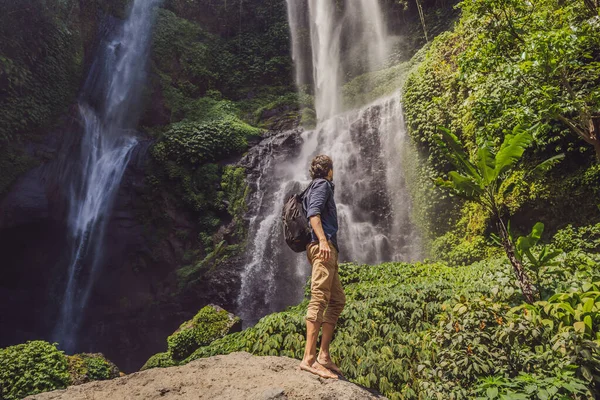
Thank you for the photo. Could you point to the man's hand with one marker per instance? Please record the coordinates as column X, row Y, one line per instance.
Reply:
column 324, row 249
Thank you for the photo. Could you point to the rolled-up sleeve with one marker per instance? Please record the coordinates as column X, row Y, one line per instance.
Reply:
column 317, row 198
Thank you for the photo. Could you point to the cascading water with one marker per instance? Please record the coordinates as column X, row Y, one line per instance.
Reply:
column 109, row 108
column 366, row 148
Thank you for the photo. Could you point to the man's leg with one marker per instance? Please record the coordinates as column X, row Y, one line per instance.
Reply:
column 335, row 307
column 324, row 354
column 320, row 285
column 309, row 362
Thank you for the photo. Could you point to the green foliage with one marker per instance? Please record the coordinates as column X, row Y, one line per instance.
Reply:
column 207, row 325
column 236, row 192
column 432, row 331
column 531, row 386
column 195, row 54
column 549, row 51
column 31, row 368
column 481, row 180
column 579, row 311
column 285, row 106
column 159, row 360
column 505, row 64
column 535, row 261
column 90, row 367
column 185, row 166
column 458, row 250
column 585, row 238
column 40, row 67
column 38, row 366
column 195, row 143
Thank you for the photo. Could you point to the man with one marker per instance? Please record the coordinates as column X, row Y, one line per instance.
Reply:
column 327, row 295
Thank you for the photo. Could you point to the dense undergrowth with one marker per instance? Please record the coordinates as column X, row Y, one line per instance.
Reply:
column 38, row 366
column 430, row 330
column 507, row 64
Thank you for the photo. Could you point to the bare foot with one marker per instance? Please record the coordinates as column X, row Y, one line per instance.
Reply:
column 318, row 369
column 330, row 365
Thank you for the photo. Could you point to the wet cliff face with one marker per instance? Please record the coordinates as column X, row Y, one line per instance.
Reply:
column 137, row 302
column 152, row 233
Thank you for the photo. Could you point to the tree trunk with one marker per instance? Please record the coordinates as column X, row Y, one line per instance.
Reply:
column 529, row 291
column 597, row 148
column 595, row 134
column 588, row 128
column 422, row 16
column 592, row 5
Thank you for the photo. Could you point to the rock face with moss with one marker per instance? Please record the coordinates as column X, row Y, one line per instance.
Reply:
column 87, row 367
column 38, row 366
column 210, row 323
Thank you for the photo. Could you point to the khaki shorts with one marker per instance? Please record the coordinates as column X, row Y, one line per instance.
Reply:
column 327, row 298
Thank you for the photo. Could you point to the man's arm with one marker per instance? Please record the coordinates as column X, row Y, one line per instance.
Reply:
column 324, row 249
column 319, row 194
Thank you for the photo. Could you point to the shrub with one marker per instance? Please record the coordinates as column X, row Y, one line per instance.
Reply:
column 87, row 367
column 585, row 238
column 31, row 368
column 159, row 360
column 195, row 143
column 207, row 325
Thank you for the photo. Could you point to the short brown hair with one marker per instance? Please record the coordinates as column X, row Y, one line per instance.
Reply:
column 320, row 166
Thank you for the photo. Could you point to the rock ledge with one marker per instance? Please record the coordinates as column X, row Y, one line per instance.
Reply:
column 234, row 376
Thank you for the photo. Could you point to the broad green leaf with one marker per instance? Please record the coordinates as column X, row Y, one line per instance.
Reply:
column 588, row 305
column 512, row 150
column 546, row 165
column 579, row 326
column 585, row 371
column 457, row 155
column 525, row 243
column 547, row 258
column 492, row 392
column 548, row 322
column 588, row 322
column 567, row 307
column 543, row 394
column 536, row 232
column 465, row 185
column 486, row 163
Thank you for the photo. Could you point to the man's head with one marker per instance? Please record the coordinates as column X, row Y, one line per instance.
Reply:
column 321, row 167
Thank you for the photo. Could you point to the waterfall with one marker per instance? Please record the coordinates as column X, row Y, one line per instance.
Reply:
column 109, row 108
column 346, row 38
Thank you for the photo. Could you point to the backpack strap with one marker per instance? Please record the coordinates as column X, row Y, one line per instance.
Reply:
column 305, row 190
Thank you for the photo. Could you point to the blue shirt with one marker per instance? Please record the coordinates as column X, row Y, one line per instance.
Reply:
column 319, row 201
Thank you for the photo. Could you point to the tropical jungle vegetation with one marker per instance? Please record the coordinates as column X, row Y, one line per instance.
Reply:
column 502, row 107
column 501, row 110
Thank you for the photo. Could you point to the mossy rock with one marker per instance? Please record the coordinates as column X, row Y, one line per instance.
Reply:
column 87, row 367
column 196, row 143
column 210, row 323
column 31, row 368
column 38, row 366
column 159, row 360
